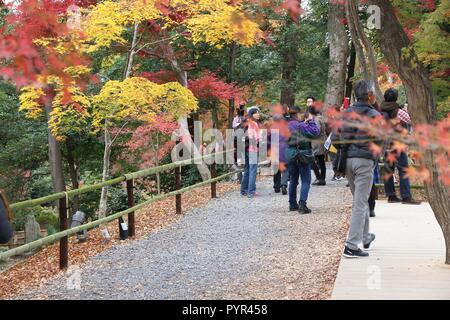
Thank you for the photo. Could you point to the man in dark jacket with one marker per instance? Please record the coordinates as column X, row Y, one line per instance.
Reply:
column 301, row 132
column 6, row 231
column 390, row 110
column 359, row 169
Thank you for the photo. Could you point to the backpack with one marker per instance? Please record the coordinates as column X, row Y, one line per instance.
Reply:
column 342, row 154
column 6, row 230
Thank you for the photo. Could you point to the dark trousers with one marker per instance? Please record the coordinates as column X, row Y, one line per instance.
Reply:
column 280, row 179
column 304, row 173
column 402, row 165
column 319, row 167
column 372, row 197
column 334, row 158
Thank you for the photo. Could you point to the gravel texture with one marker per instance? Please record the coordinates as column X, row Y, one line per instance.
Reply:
column 232, row 248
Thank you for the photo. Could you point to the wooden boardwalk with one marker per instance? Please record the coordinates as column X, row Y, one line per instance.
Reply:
column 406, row 262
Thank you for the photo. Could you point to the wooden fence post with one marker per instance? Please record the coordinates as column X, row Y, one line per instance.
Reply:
column 130, row 194
column 63, row 242
column 213, row 184
column 178, row 187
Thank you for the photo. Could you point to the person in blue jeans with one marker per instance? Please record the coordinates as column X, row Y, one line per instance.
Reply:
column 251, row 126
column 248, row 183
column 405, row 187
column 374, row 191
column 390, row 109
column 301, row 132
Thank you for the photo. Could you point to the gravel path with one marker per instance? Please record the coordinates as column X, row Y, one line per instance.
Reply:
column 232, row 248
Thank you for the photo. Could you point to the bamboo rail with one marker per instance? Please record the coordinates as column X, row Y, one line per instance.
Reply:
column 63, row 197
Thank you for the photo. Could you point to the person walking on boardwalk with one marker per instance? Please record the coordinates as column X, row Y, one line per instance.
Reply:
column 359, row 169
column 252, row 128
column 300, row 157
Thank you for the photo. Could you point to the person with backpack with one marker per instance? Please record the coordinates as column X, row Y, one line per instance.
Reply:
column 300, row 157
column 252, row 128
column 390, row 110
column 359, row 165
column 6, row 230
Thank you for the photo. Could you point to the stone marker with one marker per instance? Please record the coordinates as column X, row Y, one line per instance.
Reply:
column 32, row 229
column 78, row 219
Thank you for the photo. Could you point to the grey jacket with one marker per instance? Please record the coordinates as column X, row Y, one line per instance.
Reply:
column 357, row 149
column 318, row 146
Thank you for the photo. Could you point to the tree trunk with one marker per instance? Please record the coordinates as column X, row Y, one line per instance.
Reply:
column 356, row 42
column 73, row 173
column 103, row 206
column 158, row 174
column 289, row 64
column 55, row 159
column 132, row 51
column 338, row 56
column 215, row 117
column 360, row 36
column 350, row 72
column 393, row 42
column 231, row 102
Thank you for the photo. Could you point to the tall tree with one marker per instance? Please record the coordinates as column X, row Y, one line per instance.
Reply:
column 350, row 72
column 55, row 158
column 232, row 101
column 363, row 46
column 397, row 49
column 289, row 48
column 339, row 49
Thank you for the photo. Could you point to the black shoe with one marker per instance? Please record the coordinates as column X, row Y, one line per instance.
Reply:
column 372, row 213
column 410, row 201
column 284, row 190
column 358, row 253
column 277, row 190
column 321, row 182
column 368, row 246
column 393, row 199
column 303, row 209
column 293, row 208
column 315, row 183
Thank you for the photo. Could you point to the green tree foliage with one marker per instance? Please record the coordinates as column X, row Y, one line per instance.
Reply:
column 22, row 144
column 431, row 43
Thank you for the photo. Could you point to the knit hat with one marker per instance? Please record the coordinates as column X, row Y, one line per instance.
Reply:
column 252, row 110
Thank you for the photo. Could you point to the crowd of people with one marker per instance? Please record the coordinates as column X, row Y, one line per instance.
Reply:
column 306, row 142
